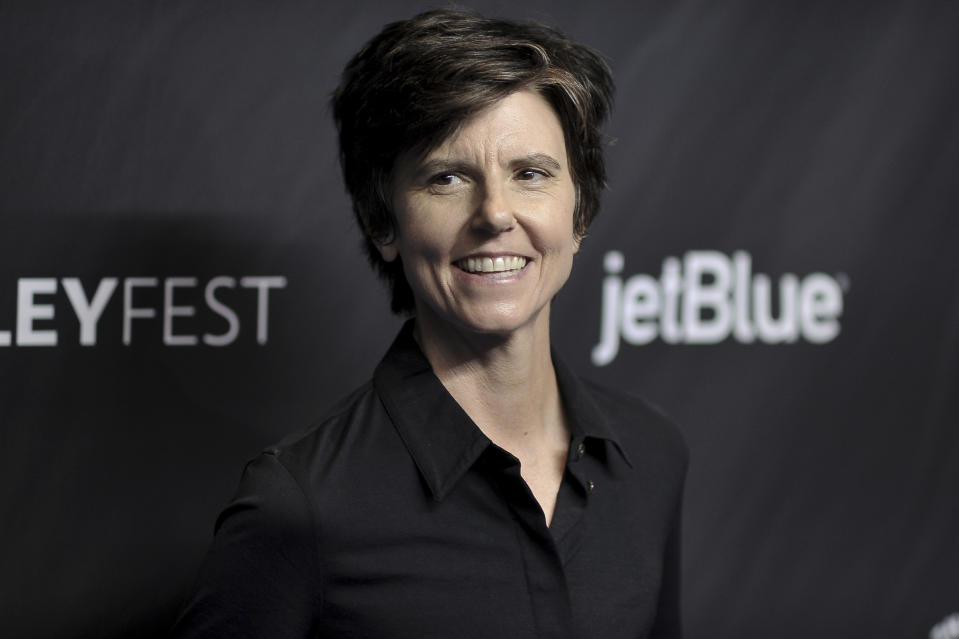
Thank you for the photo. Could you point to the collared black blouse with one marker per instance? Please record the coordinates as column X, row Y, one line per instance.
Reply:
column 396, row 517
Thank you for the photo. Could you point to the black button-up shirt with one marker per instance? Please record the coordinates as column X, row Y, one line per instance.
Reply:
column 397, row 517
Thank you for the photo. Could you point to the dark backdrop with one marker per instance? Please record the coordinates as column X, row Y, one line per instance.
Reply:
column 189, row 141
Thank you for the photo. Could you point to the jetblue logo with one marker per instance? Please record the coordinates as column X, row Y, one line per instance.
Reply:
column 707, row 297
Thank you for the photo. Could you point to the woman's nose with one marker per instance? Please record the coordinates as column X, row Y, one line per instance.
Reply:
column 494, row 213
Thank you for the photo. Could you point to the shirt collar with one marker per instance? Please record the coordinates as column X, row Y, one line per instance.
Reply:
column 440, row 437
column 586, row 418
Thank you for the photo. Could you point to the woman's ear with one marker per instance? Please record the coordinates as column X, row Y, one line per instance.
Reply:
column 578, row 233
column 385, row 243
column 387, row 248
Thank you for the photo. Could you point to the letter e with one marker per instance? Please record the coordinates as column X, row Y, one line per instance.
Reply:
column 170, row 311
column 641, row 302
column 28, row 310
column 129, row 311
column 820, row 307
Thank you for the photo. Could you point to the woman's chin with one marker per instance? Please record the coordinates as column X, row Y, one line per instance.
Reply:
column 496, row 322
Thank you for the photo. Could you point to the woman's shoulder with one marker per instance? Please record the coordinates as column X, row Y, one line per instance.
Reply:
column 338, row 416
column 357, row 417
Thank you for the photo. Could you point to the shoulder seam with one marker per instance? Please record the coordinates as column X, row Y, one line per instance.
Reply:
column 276, row 453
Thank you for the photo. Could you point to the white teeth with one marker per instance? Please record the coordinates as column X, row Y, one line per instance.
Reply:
column 499, row 266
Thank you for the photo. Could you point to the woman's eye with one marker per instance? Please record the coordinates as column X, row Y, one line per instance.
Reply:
column 445, row 179
column 531, row 174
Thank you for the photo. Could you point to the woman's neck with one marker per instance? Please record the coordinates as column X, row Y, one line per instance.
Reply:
column 506, row 384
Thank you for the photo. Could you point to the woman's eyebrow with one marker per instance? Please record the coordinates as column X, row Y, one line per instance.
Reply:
column 429, row 167
column 538, row 159
column 438, row 165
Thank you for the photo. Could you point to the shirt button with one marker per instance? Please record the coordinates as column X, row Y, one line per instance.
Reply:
column 581, row 449
column 590, row 485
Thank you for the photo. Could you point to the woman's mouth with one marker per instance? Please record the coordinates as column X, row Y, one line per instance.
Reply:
column 493, row 267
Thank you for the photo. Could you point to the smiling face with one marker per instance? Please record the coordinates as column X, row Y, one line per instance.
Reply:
column 484, row 222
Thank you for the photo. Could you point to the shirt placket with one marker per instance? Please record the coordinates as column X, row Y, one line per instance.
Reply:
column 543, row 556
column 568, row 525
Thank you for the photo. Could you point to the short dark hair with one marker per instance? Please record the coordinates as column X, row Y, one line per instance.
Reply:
column 417, row 81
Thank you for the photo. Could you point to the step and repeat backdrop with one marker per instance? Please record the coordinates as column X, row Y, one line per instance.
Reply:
column 776, row 265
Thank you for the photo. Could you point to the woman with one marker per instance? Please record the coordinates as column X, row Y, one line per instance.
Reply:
column 475, row 487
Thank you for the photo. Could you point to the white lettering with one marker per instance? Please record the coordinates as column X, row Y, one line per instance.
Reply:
column 709, row 297
column 263, row 284
column 129, row 312
column 821, row 306
column 179, row 297
column 640, row 309
column 88, row 312
column 28, row 311
column 604, row 352
column 170, row 311
column 701, row 296
column 742, row 330
column 670, row 328
column 771, row 330
column 222, row 310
